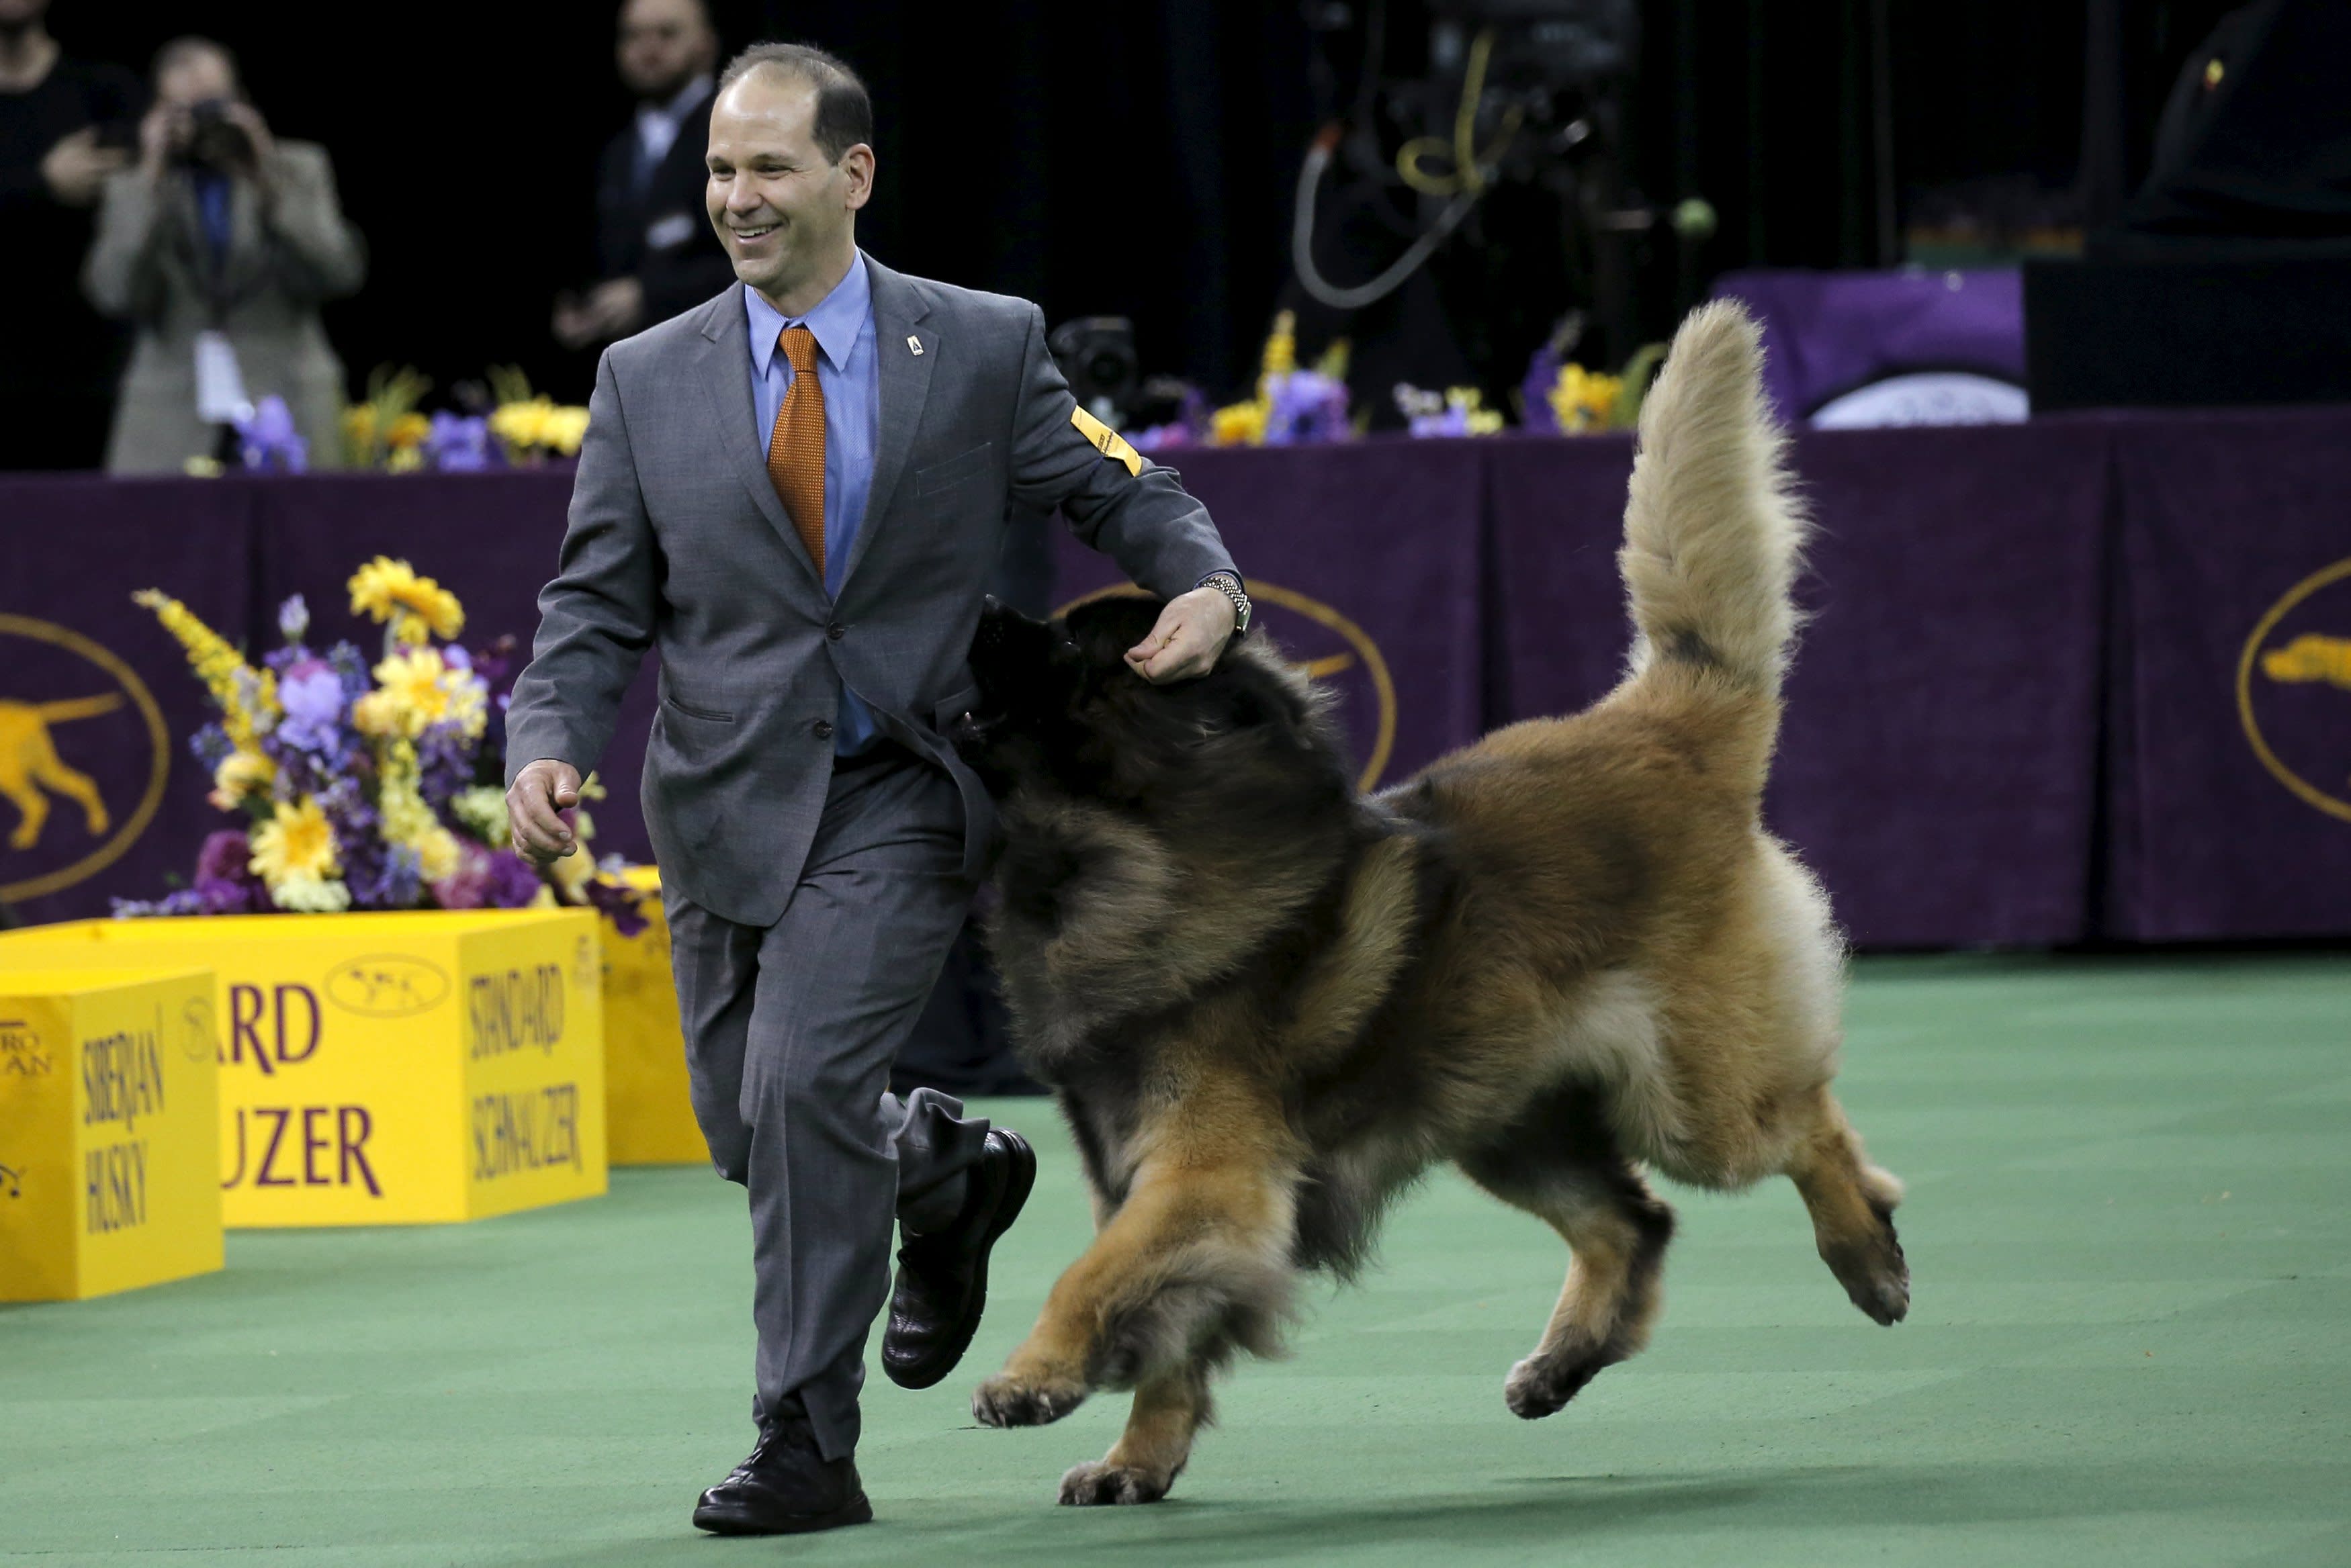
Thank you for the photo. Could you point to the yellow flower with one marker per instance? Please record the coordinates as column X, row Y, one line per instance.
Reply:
column 418, row 607
column 407, row 820
column 1583, row 400
column 377, row 713
column 297, row 844
column 1280, row 356
column 1237, row 424
column 438, row 854
column 572, row 874
column 247, row 697
column 417, row 689
column 1482, row 420
column 358, row 432
column 408, row 429
column 528, row 424
column 565, row 428
column 239, row 775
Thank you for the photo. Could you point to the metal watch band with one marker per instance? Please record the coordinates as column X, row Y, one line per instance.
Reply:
column 1229, row 586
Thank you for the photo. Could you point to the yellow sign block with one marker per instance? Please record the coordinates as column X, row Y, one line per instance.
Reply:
column 386, row 1069
column 650, row 1115
column 110, row 1131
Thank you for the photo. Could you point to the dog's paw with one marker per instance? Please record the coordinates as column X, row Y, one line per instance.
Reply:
column 1875, row 1275
column 1004, row 1401
column 1541, row 1385
column 1099, row 1481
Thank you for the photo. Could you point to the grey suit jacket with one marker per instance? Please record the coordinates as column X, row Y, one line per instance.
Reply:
column 284, row 258
column 677, row 540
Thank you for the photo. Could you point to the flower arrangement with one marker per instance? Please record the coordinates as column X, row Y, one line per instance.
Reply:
column 367, row 788
column 1291, row 406
column 529, row 426
column 1455, row 411
column 1561, row 395
column 386, row 431
column 501, row 424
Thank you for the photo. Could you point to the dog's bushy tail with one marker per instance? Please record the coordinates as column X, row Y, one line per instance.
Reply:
column 1713, row 528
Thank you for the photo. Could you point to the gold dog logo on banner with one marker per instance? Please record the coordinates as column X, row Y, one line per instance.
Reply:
column 1356, row 665
column 2293, row 689
column 60, row 687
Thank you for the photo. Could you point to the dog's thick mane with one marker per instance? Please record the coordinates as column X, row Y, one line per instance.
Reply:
column 1230, row 884
column 1226, row 820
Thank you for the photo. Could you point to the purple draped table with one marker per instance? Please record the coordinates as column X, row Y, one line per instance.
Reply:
column 2086, row 677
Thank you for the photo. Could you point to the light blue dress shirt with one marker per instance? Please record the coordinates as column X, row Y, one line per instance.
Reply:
column 848, row 373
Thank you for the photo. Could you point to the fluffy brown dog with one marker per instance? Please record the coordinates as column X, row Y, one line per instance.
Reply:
column 1565, row 953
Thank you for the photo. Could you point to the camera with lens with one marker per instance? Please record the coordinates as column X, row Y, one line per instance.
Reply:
column 1097, row 358
column 215, row 142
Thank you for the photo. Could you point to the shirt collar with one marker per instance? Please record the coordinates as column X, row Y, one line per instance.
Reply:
column 679, row 107
column 837, row 320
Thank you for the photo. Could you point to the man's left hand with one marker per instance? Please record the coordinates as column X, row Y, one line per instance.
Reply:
column 1192, row 631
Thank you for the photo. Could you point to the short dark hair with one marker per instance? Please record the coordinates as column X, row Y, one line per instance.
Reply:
column 844, row 114
column 188, row 47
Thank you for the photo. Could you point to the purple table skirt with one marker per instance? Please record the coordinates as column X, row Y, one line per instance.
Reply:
column 2087, row 677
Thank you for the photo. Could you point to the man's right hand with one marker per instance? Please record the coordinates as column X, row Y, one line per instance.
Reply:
column 76, row 167
column 541, row 792
column 161, row 132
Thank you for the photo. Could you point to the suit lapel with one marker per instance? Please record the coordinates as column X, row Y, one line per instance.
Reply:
column 905, row 376
column 725, row 372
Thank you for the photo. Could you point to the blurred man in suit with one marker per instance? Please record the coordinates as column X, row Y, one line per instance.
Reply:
column 796, row 493
column 219, row 247
column 656, row 254
column 65, row 125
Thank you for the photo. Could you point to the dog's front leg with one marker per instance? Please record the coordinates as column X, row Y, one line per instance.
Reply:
column 1169, row 1407
column 1200, row 1248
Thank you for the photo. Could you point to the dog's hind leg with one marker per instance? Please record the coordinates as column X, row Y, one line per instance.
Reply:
column 1169, row 1407
column 1197, row 1254
column 1852, row 1203
column 1560, row 1164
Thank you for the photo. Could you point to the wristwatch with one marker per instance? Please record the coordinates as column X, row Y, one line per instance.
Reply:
column 1226, row 584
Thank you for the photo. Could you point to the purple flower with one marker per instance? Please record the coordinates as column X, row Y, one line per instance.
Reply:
column 211, row 747
column 1308, row 406
column 311, row 692
column 621, row 905
column 294, row 618
column 468, row 886
column 1161, row 438
column 444, row 761
column 513, row 882
column 351, row 667
column 268, row 440
column 460, row 443
column 1535, row 391
column 227, row 855
column 382, row 876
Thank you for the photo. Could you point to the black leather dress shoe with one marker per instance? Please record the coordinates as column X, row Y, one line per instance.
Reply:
column 785, row 1488
column 943, row 1274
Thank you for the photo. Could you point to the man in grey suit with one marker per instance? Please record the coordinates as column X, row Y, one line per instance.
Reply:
column 797, row 491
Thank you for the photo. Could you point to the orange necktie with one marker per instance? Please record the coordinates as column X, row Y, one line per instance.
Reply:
column 796, row 449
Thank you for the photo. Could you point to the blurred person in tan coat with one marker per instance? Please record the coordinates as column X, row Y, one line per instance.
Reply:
column 219, row 246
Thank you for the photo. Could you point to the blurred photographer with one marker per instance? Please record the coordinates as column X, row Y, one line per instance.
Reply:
column 220, row 246
column 65, row 124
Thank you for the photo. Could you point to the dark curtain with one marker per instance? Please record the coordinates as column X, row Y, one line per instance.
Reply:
column 1117, row 160
column 1136, row 160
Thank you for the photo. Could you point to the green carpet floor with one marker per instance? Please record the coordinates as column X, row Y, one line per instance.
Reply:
column 2129, row 1226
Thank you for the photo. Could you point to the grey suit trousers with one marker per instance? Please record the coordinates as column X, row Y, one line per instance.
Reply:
column 790, row 1031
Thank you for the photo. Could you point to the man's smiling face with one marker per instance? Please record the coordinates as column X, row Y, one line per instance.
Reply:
column 785, row 211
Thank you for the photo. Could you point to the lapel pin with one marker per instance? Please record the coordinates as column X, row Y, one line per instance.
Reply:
column 914, row 344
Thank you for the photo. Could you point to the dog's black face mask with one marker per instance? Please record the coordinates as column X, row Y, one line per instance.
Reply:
column 1059, row 704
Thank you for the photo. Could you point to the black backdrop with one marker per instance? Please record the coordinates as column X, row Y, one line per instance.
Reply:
column 1134, row 159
